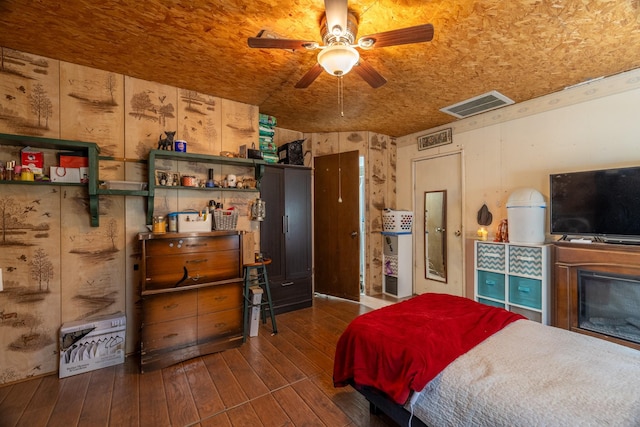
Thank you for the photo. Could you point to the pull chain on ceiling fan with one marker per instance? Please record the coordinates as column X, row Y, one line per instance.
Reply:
column 338, row 56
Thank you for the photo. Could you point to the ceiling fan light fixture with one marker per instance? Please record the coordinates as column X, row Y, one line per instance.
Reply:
column 338, row 59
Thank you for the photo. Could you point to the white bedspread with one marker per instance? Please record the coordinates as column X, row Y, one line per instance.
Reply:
column 534, row 375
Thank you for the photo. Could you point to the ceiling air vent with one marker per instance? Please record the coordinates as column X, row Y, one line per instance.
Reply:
column 476, row 105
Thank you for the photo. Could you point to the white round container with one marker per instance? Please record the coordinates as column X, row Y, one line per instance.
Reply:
column 526, row 216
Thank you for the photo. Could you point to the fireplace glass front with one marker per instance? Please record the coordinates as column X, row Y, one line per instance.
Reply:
column 609, row 304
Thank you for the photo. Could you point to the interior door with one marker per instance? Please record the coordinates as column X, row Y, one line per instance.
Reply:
column 336, row 225
column 436, row 174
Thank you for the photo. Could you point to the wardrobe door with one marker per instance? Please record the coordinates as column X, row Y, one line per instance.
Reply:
column 297, row 211
column 271, row 229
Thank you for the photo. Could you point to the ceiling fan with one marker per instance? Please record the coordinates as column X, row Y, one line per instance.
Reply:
column 338, row 55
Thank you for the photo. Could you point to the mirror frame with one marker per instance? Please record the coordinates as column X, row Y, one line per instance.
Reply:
column 428, row 272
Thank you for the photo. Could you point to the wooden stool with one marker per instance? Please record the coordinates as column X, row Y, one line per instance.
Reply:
column 260, row 279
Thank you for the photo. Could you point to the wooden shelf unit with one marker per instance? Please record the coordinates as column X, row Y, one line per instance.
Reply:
column 154, row 155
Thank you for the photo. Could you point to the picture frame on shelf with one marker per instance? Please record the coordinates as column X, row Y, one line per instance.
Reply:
column 167, row 178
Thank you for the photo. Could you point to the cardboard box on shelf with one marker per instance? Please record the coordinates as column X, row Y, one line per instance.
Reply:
column 89, row 344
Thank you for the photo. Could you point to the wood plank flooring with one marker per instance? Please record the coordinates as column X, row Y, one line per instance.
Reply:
column 280, row 380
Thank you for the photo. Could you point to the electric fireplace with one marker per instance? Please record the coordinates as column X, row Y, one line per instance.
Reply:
column 609, row 304
column 596, row 291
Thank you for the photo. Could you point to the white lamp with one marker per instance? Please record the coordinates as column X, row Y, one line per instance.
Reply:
column 338, row 59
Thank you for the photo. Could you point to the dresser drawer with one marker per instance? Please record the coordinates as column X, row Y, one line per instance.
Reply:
column 169, row 306
column 287, row 291
column 186, row 245
column 491, row 284
column 182, row 270
column 219, row 324
column 491, row 256
column 220, row 297
column 525, row 260
column 524, row 291
column 167, row 335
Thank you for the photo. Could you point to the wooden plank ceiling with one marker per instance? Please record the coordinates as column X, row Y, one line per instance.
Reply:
column 521, row 48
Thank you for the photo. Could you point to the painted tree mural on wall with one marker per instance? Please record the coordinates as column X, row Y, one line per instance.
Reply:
column 13, row 221
column 41, row 268
column 142, row 105
column 8, row 216
column 111, row 85
column 111, row 231
column 29, row 103
column 41, row 105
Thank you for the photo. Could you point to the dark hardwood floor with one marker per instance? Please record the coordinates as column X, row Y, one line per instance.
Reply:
column 281, row 380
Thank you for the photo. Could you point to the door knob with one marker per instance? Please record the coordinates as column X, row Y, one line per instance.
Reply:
column 354, row 234
column 458, row 233
column 440, row 229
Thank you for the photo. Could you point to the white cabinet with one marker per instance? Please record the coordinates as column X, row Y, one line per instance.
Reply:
column 514, row 277
column 397, row 258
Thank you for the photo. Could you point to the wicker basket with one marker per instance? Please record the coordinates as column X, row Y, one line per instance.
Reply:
column 225, row 219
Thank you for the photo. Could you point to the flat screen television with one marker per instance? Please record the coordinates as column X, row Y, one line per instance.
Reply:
column 602, row 203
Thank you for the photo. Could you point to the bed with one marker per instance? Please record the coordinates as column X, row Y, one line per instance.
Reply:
column 441, row 360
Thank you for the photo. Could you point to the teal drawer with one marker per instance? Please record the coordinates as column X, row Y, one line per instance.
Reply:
column 527, row 292
column 491, row 284
column 489, row 302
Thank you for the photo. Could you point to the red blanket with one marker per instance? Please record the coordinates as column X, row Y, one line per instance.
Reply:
column 402, row 347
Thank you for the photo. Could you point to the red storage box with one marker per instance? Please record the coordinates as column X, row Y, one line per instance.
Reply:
column 32, row 158
column 73, row 160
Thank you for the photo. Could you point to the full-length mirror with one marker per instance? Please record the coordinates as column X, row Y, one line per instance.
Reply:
column 435, row 237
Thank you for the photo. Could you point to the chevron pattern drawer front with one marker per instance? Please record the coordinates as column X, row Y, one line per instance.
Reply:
column 491, row 256
column 525, row 260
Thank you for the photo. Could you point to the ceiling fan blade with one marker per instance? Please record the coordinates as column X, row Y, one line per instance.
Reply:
column 417, row 34
column 269, row 43
column 369, row 74
column 336, row 12
column 310, row 76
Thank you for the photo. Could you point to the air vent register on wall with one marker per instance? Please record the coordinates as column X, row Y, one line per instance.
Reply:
column 478, row 104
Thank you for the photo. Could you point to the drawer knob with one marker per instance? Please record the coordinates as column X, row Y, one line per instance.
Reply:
column 524, row 289
column 169, row 336
column 286, row 284
column 170, row 306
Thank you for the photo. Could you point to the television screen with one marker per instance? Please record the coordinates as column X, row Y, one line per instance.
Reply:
column 596, row 203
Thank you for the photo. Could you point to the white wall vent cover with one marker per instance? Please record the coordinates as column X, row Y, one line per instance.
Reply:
column 478, row 104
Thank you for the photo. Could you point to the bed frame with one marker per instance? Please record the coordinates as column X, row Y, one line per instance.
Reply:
column 381, row 404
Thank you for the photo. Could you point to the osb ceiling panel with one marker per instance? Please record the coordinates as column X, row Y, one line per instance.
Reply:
column 521, row 48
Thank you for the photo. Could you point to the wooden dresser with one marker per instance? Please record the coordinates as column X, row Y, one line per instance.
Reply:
column 191, row 295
